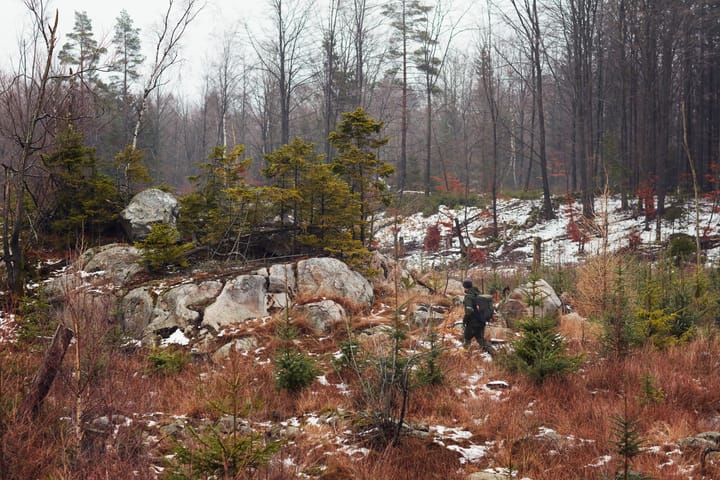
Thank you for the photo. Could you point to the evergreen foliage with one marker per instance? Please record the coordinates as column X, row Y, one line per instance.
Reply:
column 540, row 352
column 429, row 371
column 356, row 140
column 650, row 393
column 628, row 443
column 220, row 209
column 166, row 361
column 133, row 175
column 294, row 370
column 81, row 52
column 162, row 248
column 664, row 316
column 314, row 201
column 681, row 247
column 227, row 449
column 127, row 47
column 85, row 200
column 617, row 318
column 219, row 455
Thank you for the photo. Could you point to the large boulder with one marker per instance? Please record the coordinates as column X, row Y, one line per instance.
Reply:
column 117, row 262
column 241, row 299
column 148, row 207
column 136, row 310
column 701, row 441
column 180, row 306
column 329, row 277
column 280, row 278
column 533, row 299
column 105, row 267
column 322, row 316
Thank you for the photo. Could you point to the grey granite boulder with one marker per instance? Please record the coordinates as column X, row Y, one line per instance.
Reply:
column 329, row 277
column 148, row 207
column 242, row 298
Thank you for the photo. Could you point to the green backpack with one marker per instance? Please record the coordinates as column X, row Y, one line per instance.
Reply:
column 485, row 307
column 482, row 307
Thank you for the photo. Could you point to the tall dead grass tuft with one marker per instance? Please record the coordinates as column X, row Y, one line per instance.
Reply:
column 30, row 449
column 597, row 279
column 413, row 459
column 577, row 329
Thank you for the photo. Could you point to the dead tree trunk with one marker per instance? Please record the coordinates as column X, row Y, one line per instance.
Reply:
column 46, row 375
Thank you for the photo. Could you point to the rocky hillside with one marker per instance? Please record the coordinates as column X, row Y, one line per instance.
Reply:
column 191, row 375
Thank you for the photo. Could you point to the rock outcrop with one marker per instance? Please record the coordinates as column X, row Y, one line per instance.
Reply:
column 242, row 298
column 322, row 316
column 533, row 299
column 148, row 207
column 329, row 277
column 318, row 289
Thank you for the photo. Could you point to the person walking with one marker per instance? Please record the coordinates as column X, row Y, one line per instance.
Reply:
column 478, row 311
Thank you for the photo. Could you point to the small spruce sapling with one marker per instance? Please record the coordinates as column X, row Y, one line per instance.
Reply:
column 223, row 450
column 627, row 444
column 162, row 248
column 293, row 369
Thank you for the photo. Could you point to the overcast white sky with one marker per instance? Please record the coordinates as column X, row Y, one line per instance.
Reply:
column 217, row 16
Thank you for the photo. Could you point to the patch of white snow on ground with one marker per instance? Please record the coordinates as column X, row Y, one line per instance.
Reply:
column 176, row 338
column 471, row 454
column 602, row 461
column 558, row 247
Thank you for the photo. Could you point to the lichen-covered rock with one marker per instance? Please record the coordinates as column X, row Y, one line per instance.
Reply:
column 241, row 299
column 118, row 262
column 180, row 306
column 329, row 277
column 323, row 315
column 533, row 299
column 148, row 207
column 106, row 267
column 136, row 310
column 245, row 344
column 281, row 279
column 701, row 441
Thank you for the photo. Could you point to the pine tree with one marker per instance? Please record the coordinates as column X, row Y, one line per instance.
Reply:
column 403, row 15
column 81, row 52
column 125, row 67
column 540, row 352
column 627, row 443
column 85, row 200
column 162, row 248
column 218, row 211
column 357, row 139
column 317, row 203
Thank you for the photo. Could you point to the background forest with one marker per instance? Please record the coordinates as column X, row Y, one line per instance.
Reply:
column 559, row 96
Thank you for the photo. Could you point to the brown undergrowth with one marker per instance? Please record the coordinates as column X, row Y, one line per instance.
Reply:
column 562, row 428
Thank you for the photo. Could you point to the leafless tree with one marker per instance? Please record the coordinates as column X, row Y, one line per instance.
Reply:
column 527, row 25
column 228, row 76
column 433, row 43
column 491, row 93
column 173, row 25
column 282, row 53
column 578, row 20
column 24, row 104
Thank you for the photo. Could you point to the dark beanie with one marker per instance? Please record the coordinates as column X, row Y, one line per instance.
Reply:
column 467, row 283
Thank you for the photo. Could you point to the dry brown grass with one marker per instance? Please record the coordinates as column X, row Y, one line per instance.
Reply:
column 577, row 329
column 597, row 279
column 578, row 408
